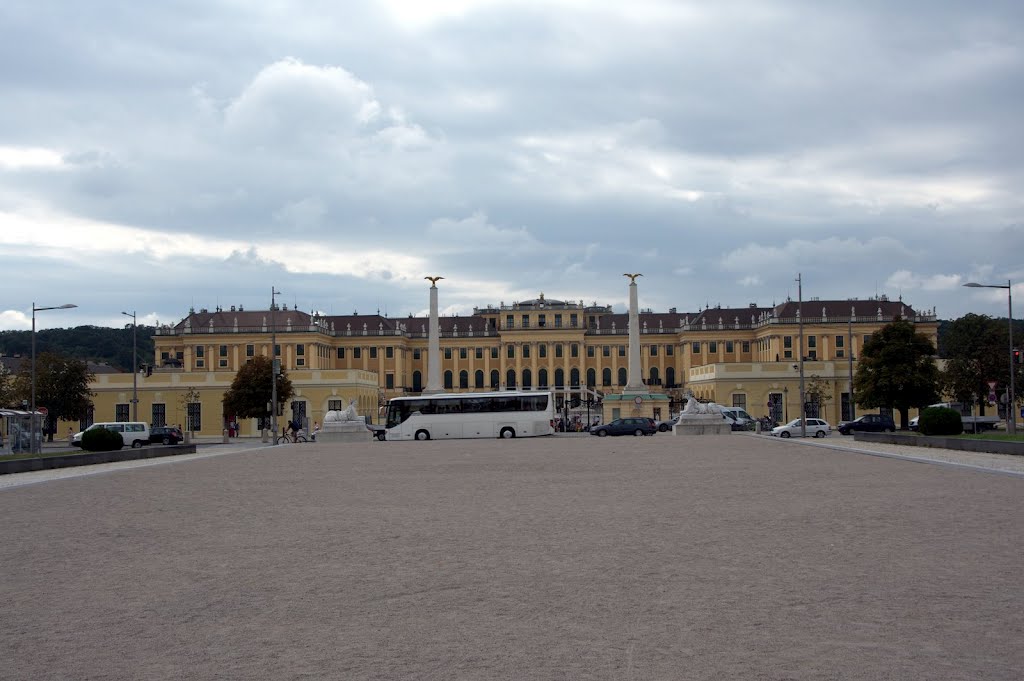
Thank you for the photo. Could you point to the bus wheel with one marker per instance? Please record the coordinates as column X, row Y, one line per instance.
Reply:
column 422, row 435
column 380, row 436
column 507, row 433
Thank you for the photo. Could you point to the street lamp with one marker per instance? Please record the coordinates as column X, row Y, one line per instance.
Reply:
column 135, row 366
column 785, row 404
column 32, row 417
column 275, row 366
column 1011, row 418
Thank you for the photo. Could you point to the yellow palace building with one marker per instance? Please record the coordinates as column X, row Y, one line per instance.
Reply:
column 746, row 357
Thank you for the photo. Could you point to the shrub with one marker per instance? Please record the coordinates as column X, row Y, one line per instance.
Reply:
column 101, row 440
column 940, row 421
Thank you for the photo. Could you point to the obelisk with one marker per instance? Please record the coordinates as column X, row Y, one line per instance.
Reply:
column 433, row 343
column 634, row 377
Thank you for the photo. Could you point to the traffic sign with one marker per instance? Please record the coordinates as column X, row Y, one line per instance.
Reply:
column 43, row 410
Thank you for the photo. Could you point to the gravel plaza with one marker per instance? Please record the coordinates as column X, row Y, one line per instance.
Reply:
column 737, row 557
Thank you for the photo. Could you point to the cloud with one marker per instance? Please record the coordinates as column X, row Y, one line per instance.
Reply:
column 908, row 281
column 15, row 319
column 20, row 158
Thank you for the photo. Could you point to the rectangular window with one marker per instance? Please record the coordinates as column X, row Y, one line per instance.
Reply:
column 713, row 347
column 300, row 350
column 341, row 353
column 867, row 339
column 654, row 350
column 606, row 351
column 812, row 341
column 277, row 350
column 200, row 363
column 840, row 353
column 510, row 321
column 670, row 350
column 389, row 381
column 740, row 400
column 389, row 352
column 463, row 353
column 223, row 351
column 558, row 321
column 840, row 341
column 415, row 353
column 526, row 350
column 357, row 353
column 542, row 350
column 812, row 354
column 335, row 405
column 120, row 412
column 479, row 353
column 787, row 342
column 447, row 353
column 250, row 350
column 510, row 351
column 526, row 321
column 622, row 351
column 788, row 354
column 373, row 352
column 746, row 346
column 194, row 418
column 159, row 417
column 558, row 350
column 200, row 351
column 224, row 363
column 299, row 362
column 695, row 348
column 730, row 347
column 574, row 350
column 573, row 320
column 542, row 320
column 494, row 352
column 590, row 351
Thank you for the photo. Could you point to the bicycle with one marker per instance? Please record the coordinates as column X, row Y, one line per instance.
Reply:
column 290, row 439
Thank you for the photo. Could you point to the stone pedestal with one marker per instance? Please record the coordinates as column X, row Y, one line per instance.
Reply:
column 702, row 424
column 345, row 431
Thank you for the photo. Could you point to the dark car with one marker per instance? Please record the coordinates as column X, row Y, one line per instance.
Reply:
column 629, row 426
column 868, row 423
column 167, row 435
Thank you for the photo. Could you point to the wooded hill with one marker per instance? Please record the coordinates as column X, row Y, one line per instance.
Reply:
column 89, row 343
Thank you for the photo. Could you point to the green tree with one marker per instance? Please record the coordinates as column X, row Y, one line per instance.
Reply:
column 189, row 396
column 7, row 387
column 62, row 386
column 818, row 391
column 897, row 370
column 977, row 348
column 250, row 390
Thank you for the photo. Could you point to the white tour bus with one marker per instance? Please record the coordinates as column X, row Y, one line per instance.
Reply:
column 463, row 415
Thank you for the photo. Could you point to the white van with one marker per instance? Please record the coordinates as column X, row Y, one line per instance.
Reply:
column 134, row 433
column 741, row 420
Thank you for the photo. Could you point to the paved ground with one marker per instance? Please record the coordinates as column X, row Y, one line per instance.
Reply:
column 558, row 558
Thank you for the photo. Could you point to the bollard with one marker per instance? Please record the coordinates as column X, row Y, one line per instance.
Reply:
column 757, row 426
column 263, row 435
column 224, row 436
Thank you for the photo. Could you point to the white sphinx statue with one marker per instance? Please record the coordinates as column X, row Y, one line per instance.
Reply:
column 693, row 407
column 346, row 414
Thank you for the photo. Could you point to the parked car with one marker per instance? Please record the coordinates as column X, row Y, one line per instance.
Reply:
column 665, row 426
column 739, row 418
column 868, row 423
column 168, row 435
column 913, row 423
column 627, row 426
column 815, row 428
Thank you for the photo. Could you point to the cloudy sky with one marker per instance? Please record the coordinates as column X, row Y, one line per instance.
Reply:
column 159, row 156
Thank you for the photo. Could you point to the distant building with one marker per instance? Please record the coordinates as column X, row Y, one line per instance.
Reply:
column 742, row 357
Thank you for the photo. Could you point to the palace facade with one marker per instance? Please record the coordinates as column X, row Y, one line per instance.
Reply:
column 746, row 357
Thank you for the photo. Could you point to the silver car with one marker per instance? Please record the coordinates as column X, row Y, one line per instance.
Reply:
column 815, row 428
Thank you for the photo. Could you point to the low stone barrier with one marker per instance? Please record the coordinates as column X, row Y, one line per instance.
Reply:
column 955, row 443
column 90, row 458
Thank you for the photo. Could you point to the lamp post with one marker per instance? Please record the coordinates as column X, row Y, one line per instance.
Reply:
column 785, row 404
column 850, row 351
column 800, row 319
column 275, row 366
column 32, row 416
column 1011, row 418
column 135, row 366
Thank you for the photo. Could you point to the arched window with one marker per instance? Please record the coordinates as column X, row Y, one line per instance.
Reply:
column 670, row 377
column 574, row 377
column 622, row 376
column 654, row 376
column 510, row 378
column 417, row 382
column 591, row 378
column 495, row 379
column 559, row 378
column 542, row 378
column 448, row 379
column 606, row 377
column 479, row 376
column 464, row 379
column 527, row 378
